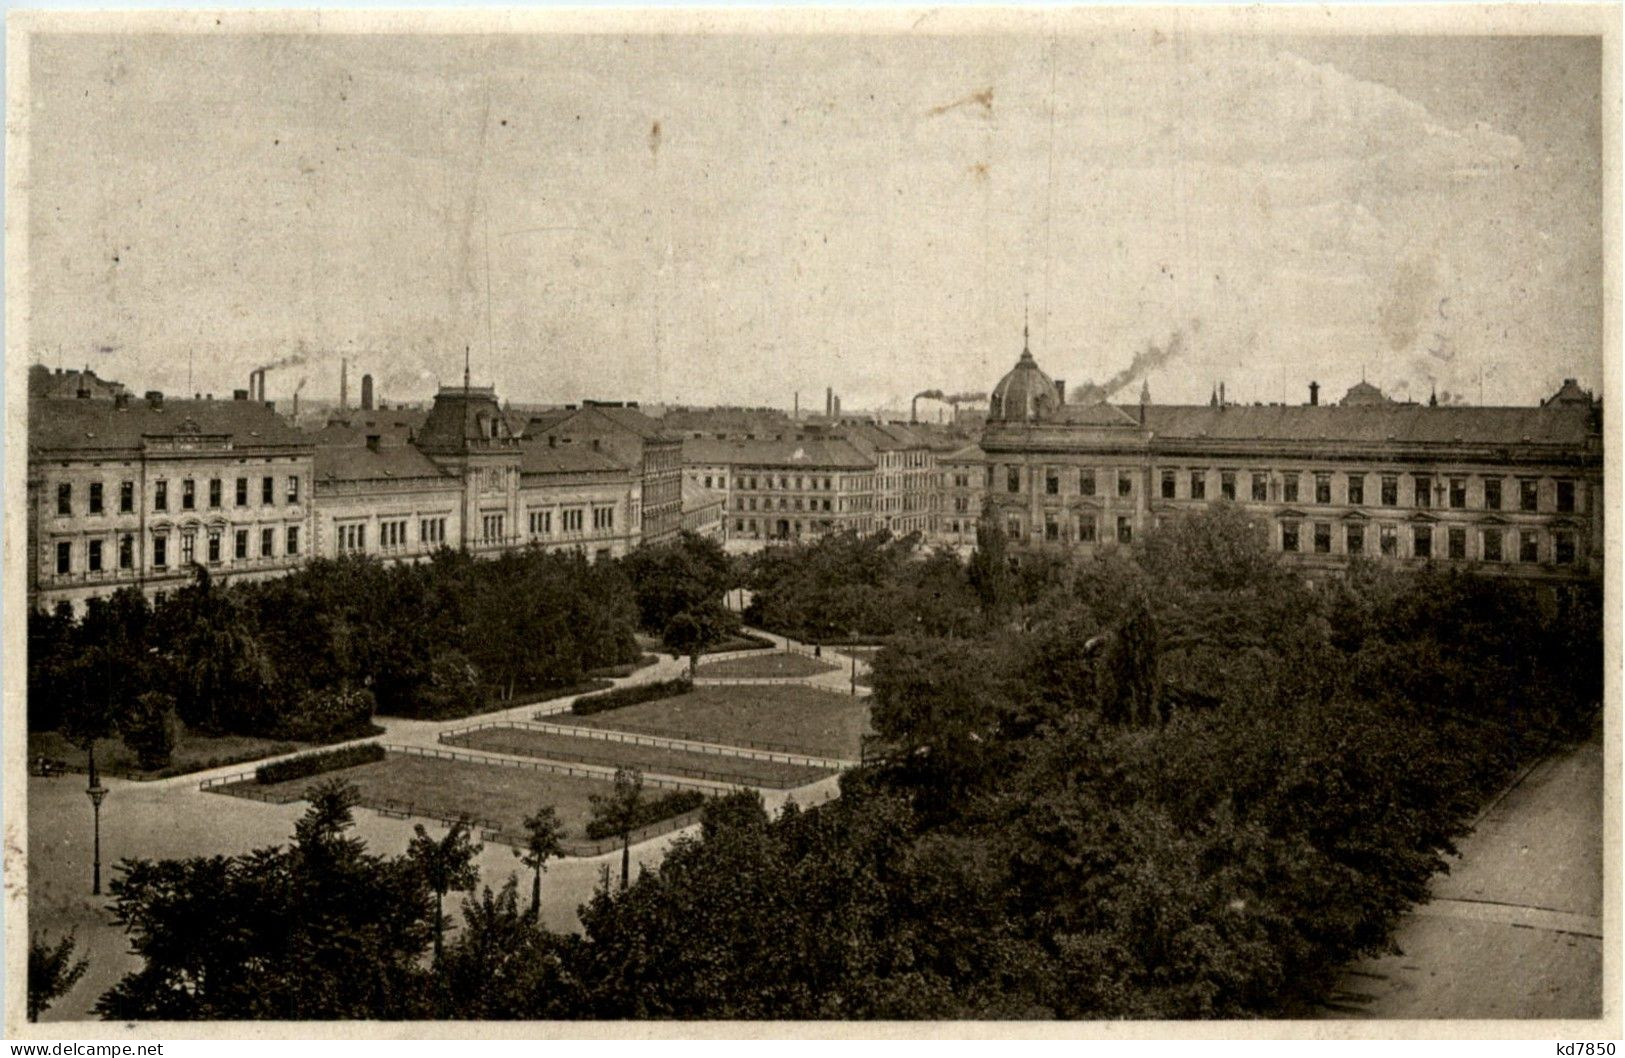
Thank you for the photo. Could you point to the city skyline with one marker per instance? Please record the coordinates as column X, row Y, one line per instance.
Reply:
column 877, row 214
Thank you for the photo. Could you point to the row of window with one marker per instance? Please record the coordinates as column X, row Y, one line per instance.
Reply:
column 95, row 558
column 351, row 538
column 571, row 520
column 782, row 528
column 801, row 482
column 744, row 503
column 1427, row 490
column 1491, row 542
column 95, row 501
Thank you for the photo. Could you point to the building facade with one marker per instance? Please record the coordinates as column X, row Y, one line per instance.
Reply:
column 961, row 475
column 793, row 489
column 1513, row 490
column 637, row 442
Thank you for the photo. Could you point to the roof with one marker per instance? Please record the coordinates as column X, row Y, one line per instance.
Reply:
column 1025, row 393
column 388, row 462
column 465, row 417
column 695, row 498
column 968, row 454
column 58, row 425
column 1372, row 423
column 1096, row 413
column 788, row 453
column 565, row 459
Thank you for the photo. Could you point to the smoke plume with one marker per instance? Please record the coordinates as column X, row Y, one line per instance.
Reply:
column 1153, row 357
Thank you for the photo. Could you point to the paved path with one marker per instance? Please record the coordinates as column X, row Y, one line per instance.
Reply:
column 172, row 818
column 1514, row 930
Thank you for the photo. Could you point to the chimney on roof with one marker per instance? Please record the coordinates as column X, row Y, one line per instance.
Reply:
column 1314, row 394
column 155, row 399
column 1060, row 390
column 121, row 400
column 366, row 392
column 373, row 441
column 239, row 394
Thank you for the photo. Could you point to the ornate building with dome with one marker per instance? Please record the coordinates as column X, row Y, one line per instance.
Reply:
column 1517, row 490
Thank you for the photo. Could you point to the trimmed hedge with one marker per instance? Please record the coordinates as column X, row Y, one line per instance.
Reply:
column 740, row 641
column 622, row 671
column 624, row 696
column 316, row 763
column 673, row 804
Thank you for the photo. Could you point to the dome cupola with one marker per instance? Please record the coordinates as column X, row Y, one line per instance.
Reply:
column 1026, row 394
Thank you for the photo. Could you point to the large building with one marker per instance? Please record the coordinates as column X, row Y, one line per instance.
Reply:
column 133, row 493
column 797, row 488
column 635, row 441
column 1516, row 490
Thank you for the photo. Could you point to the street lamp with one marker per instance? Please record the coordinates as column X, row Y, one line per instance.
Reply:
column 97, row 792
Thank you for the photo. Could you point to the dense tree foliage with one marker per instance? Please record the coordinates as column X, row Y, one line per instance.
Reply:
column 52, row 971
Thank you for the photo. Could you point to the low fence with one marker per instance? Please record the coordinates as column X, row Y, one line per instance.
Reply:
column 686, row 736
column 822, row 679
column 601, row 772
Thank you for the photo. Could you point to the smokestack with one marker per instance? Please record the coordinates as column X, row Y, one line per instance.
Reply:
column 829, row 402
column 796, row 415
column 344, row 383
column 1314, row 394
column 1060, row 390
column 1222, row 401
column 366, row 392
column 837, row 406
column 295, row 415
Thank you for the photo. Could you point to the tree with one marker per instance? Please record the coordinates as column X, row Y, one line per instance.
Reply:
column 693, row 630
column 544, row 834
column 445, row 865
column 989, row 569
column 150, row 729
column 52, row 972
column 621, row 812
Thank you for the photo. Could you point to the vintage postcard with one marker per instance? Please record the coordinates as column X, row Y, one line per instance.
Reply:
column 811, row 522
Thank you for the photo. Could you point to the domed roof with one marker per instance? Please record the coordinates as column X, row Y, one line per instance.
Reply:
column 1025, row 394
column 1363, row 392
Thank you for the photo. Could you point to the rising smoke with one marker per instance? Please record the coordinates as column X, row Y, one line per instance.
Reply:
column 1146, row 361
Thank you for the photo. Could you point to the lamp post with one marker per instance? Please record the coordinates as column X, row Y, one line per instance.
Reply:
column 97, row 792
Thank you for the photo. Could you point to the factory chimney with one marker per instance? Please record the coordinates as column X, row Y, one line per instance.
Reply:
column 344, row 383
column 366, row 392
column 1221, row 395
column 829, row 402
column 1314, row 394
column 1060, row 390
column 795, row 416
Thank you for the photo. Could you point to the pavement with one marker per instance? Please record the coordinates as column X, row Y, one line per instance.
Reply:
column 173, row 818
column 1514, row 929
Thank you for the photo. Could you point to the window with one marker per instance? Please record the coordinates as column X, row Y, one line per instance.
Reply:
column 1125, row 483
column 1528, row 546
column 1422, row 541
column 293, row 488
column 1289, row 536
column 242, row 492
column 1424, row 490
column 188, row 494
column 1125, row 529
column 1390, row 490
column 64, row 557
column 1492, row 545
column 1086, row 482
column 1012, row 480
column 188, row 548
column 1356, row 489
column 1388, row 540
column 1198, row 484
column 1528, row 495
column 1086, row 529
column 1323, row 488
column 293, row 540
column 267, row 490
column 267, row 543
column 571, row 520
column 352, row 538
column 160, row 495
column 214, row 492
column 1457, row 542
column 1458, row 493
column 1563, row 546
column 95, row 497
column 126, row 497
column 491, row 527
column 1227, row 484
column 1261, row 487
column 1565, row 496
column 1052, row 527
column 1168, row 484
column 1052, row 481
column 1323, row 538
column 93, row 556
column 160, row 551
column 1012, row 527
column 1289, row 487
column 541, row 522
column 214, row 547
column 1354, row 539
column 603, row 518
column 240, row 545
column 126, row 551
column 1492, row 494
column 64, row 498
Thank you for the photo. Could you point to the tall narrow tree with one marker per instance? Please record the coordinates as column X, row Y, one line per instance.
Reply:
column 446, row 865
column 620, row 811
column 543, row 841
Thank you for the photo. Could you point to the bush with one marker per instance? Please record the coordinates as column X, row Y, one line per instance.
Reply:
column 323, row 714
column 619, row 672
column 150, row 729
column 316, row 763
column 673, row 804
column 624, row 696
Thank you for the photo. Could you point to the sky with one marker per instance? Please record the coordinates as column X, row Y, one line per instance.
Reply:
column 735, row 218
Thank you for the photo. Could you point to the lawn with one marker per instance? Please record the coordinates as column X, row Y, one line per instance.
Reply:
column 660, row 760
column 785, row 717
column 450, row 789
column 193, row 752
column 765, row 666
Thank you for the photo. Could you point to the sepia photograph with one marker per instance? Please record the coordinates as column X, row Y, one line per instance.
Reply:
column 806, row 519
